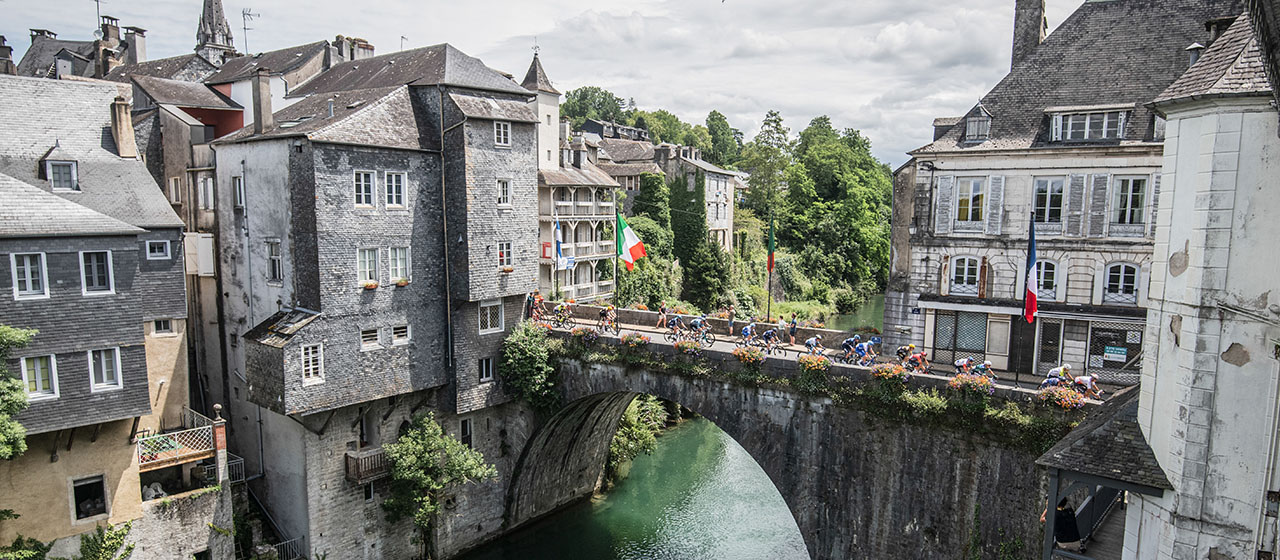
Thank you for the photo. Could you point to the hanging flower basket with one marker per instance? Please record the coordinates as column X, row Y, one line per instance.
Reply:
column 508, row 269
column 585, row 335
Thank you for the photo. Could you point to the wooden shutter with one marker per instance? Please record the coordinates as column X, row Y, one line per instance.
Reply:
column 1075, row 205
column 995, row 205
column 1155, row 204
column 944, row 279
column 1098, row 205
column 983, row 271
column 946, row 193
column 1057, row 128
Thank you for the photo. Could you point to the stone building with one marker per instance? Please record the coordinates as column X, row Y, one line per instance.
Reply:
column 92, row 257
column 1079, row 157
column 719, row 188
column 609, row 129
column 627, row 161
column 574, row 196
column 51, row 57
column 370, row 274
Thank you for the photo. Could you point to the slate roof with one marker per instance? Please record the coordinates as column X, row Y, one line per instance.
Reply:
column 492, row 108
column 536, row 78
column 627, row 151
column 1118, row 51
column 1266, row 23
column 28, row 211
column 625, row 169
column 706, row 166
column 569, row 176
column 1109, row 444
column 278, row 62
column 160, row 68
column 376, row 117
column 183, row 94
column 39, row 57
column 277, row 329
column 1232, row 66
column 439, row 64
column 75, row 117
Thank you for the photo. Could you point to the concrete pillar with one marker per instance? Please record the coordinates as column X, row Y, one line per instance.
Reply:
column 220, row 444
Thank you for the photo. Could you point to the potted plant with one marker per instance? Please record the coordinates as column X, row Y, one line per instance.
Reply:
column 402, row 282
column 508, row 269
column 370, row 284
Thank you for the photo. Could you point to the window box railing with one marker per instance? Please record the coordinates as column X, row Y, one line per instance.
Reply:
column 367, row 465
column 191, row 443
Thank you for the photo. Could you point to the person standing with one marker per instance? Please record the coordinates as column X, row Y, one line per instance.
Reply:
column 662, row 315
column 1065, row 530
column 794, row 325
column 732, row 313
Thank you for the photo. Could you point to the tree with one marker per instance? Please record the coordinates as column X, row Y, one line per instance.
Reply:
column 637, row 432
column 13, row 395
column 526, row 366
column 652, row 282
column 724, row 140
column 708, row 272
column 656, row 238
column 654, row 199
column 424, row 462
column 688, row 216
column 767, row 158
column 591, row 102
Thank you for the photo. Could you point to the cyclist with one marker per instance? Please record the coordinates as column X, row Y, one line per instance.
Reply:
column 905, row 351
column 984, row 369
column 749, row 333
column 608, row 317
column 698, row 324
column 770, row 339
column 1087, row 386
column 849, row 344
column 814, row 345
column 918, row 362
column 537, row 306
column 562, row 310
column 866, row 352
column 963, row 365
column 1060, row 375
column 673, row 323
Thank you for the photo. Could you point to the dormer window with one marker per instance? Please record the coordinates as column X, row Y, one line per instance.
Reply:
column 62, row 175
column 1085, row 126
column 977, row 128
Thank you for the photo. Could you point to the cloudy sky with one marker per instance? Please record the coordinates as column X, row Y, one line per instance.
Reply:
column 886, row 67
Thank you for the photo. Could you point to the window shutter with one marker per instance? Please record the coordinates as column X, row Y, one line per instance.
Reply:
column 944, row 282
column 983, row 271
column 995, row 205
column 1098, row 205
column 1155, row 204
column 946, row 195
column 1057, row 128
column 1075, row 205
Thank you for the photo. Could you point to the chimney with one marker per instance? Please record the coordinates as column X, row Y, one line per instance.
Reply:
column 122, row 128
column 108, row 47
column 110, row 29
column 262, row 118
column 565, row 124
column 136, row 38
column 6, row 58
column 577, row 157
column 42, row 33
column 1029, row 28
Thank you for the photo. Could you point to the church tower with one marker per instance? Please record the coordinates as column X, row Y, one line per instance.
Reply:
column 547, row 108
column 213, row 36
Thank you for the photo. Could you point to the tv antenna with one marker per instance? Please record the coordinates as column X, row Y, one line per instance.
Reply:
column 535, row 45
column 402, row 40
column 99, row 5
column 247, row 15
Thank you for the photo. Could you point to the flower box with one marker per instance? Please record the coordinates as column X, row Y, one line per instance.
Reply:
column 370, row 285
column 402, row 282
column 508, row 269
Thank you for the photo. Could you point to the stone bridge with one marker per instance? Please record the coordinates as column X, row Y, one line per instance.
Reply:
column 859, row 485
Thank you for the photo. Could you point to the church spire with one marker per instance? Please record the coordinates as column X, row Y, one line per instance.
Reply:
column 213, row 36
column 536, row 78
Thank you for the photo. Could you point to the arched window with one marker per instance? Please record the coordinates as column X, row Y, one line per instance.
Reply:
column 964, row 276
column 1121, row 284
column 1047, row 278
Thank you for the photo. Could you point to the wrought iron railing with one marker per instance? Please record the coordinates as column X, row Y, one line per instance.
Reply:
column 292, row 549
column 367, row 465
column 235, row 469
column 192, row 443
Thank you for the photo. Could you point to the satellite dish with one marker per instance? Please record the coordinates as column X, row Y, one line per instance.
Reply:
column 97, row 34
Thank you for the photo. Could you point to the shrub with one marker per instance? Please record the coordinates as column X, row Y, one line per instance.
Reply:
column 1061, row 397
column 812, row 363
column 891, row 373
column 688, row 347
column 969, row 384
column 749, row 356
column 585, row 335
column 526, row 366
column 640, row 307
column 845, row 300
column 635, row 341
column 426, row 461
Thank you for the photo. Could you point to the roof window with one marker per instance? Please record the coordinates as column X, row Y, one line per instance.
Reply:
column 1085, row 126
column 62, row 175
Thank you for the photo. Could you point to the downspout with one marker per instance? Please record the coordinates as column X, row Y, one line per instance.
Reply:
column 444, row 226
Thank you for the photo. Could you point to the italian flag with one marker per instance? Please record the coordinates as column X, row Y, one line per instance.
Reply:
column 629, row 246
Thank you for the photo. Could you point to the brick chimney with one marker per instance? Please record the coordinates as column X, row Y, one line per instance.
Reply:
column 108, row 47
column 1029, row 28
column 136, row 39
column 262, row 118
column 122, row 129
column 6, row 58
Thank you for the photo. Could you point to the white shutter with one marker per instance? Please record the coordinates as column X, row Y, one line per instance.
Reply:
column 1057, row 128
column 204, row 254
column 1075, row 205
column 189, row 253
column 1098, row 205
column 942, row 215
column 995, row 205
column 1155, row 204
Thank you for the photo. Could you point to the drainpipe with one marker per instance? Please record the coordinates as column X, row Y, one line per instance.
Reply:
column 444, row 226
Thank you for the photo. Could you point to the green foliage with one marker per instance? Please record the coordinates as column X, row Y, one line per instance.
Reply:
column 24, row 548
column 590, row 102
column 654, row 201
column 709, row 266
column 106, row 543
column 13, row 396
column 637, row 432
column 767, row 157
column 526, row 366
column 651, row 282
column 689, row 223
column 424, row 462
column 657, row 238
column 726, row 141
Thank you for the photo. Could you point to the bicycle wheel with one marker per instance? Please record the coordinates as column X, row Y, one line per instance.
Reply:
column 617, row 330
column 671, row 337
column 708, row 339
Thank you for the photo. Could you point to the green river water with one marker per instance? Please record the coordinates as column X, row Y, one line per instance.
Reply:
column 698, row 496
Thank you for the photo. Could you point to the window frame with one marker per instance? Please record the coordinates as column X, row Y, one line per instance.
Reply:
column 977, row 128
column 505, row 258
column 504, row 193
column 75, row 174
column 1122, row 202
column 275, row 262
column 957, row 288
column 502, row 134
column 969, row 198
column 84, row 279
column 356, row 188
column 100, row 478
column 466, row 433
column 365, row 344
column 175, row 190
column 401, row 340
column 501, row 319
column 1048, row 206
column 1119, row 297
column 48, row 393
column 1065, row 125
column 206, row 193
column 391, row 264
column 168, row 252
column 1041, row 270
column 360, row 270
column 399, row 195
column 94, row 386
column 237, row 187
column 317, row 367
column 44, row 276
column 486, row 367
column 157, row 331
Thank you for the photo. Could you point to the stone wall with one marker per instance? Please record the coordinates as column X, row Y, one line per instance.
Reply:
column 179, row 526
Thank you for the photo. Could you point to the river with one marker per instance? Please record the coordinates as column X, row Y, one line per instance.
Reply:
column 869, row 314
column 698, row 496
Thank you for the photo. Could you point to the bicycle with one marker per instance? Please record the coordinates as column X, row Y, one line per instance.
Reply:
column 774, row 348
column 563, row 321
column 705, row 338
column 674, row 335
column 609, row 326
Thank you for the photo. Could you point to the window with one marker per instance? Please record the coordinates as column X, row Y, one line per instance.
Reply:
column 491, row 316
column 504, row 192
column 275, row 263
column 369, row 339
column 105, row 368
column 95, row 272
column 313, row 363
column 62, row 175
column 1047, row 280
column 237, row 186
column 364, row 188
column 158, row 250
column 977, row 128
column 29, row 276
column 504, row 254
column 1049, row 200
column 206, row 193
column 367, row 266
column 399, row 257
column 501, row 133
column 175, row 190
column 486, row 370
column 1107, row 125
column 399, row 335
column 368, row 492
column 39, row 374
column 969, row 199
column 1128, row 204
column 464, row 432
column 395, row 189
column 1122, row 284
column 162, row 326
column 89, row 497
column 964, row 276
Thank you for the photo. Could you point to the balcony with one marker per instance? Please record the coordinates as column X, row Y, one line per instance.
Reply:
column 567, row 210
column 193, row 441
column 367, row 465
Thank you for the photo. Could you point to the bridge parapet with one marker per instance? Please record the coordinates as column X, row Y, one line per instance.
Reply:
column 590, row 313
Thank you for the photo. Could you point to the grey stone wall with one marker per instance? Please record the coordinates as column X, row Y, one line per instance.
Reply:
column 471, row 394
column 178, row 527
column 161, row 283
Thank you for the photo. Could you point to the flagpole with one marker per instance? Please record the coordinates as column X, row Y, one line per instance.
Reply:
column 769, row 288
column 616, row 243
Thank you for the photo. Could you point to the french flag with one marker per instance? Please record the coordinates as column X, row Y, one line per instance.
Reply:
column 1033, row 283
